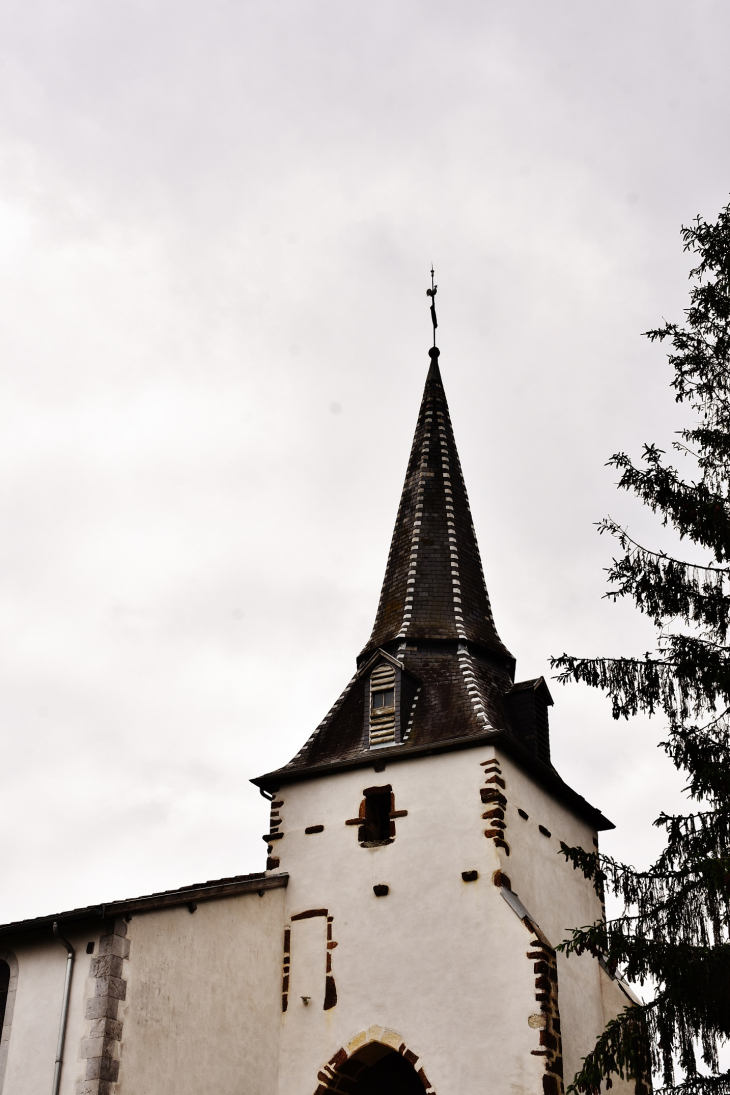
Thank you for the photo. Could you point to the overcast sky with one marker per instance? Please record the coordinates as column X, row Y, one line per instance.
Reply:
column 216, row 225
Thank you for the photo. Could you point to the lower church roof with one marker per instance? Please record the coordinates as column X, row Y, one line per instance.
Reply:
column 185, row 895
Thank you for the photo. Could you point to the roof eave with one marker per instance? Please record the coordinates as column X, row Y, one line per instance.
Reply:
column 206, row 891
column 543, row 773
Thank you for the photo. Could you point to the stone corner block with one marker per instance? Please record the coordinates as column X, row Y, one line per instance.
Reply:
column 104, row 1027
column 102, row 1007
column 111, row 986
column 98, row 1047
column 102, row 1068
column 114, row 944
column 107, row 965
column 95, row 1087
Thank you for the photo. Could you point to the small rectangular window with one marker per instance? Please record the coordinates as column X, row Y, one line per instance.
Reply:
column 382, row 700
column 376, row 829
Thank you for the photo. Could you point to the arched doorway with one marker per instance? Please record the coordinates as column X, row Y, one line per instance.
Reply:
column 376, row 1062
column 387, row 1073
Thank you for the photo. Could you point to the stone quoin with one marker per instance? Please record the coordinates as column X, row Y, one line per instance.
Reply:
column 402, row 937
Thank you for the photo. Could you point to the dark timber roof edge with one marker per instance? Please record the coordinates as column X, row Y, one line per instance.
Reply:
column 542, row 773
column 202, row 891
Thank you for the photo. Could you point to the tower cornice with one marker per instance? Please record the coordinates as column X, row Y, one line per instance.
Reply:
column 542, row 773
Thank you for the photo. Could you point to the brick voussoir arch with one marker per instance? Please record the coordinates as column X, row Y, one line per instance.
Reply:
column 342, row 1069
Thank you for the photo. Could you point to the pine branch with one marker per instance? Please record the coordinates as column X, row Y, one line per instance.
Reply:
column 683, row 896
column 622, row 1050
column 614, row 529
column 703, row 752
column 699, row 1085
column 690, row 677
column 662, row 587
column 674, row 929
column 691, row 1006
column 692, row 508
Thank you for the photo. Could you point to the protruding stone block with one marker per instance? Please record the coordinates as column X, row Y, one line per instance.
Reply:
column 111, row 986
column 107, row 965
column 114, row 944
column 99, row 1007
column 102, row 1068
column 105, row 1028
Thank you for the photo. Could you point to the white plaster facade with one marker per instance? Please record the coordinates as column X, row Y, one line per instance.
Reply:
column 37, row 1011
column 439, row 965
column 440, row 961
column 202, row 1007
column 204, row 998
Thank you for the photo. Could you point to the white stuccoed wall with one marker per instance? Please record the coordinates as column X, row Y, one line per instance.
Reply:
column 37, row 1014
column 440, row 962
column 202, row 1010
column 204, row 999
column 559, row 898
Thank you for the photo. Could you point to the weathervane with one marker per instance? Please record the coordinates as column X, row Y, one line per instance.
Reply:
column 432, row 294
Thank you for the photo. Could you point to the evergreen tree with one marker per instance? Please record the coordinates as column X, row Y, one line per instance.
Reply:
column 674, row 929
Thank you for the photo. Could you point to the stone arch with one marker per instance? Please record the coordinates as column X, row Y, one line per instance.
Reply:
column 12, row 962
column 373, row 1052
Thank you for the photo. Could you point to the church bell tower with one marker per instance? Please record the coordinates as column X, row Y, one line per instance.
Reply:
column 420, row 828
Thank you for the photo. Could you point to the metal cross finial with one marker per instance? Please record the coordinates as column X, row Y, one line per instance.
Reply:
column 432, row 294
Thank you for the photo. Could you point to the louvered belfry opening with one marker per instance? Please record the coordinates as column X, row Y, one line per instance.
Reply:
column 382, row 705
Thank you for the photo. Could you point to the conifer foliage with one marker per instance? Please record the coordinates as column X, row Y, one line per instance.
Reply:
column 674, row 929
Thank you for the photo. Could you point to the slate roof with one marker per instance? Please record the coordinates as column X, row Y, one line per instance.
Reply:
column 128, row 906
column 434, row 613
column 434, row 584
column 435, row 618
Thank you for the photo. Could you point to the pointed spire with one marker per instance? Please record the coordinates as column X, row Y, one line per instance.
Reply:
column 434, row 675
column 434, row 635
column 434, row 585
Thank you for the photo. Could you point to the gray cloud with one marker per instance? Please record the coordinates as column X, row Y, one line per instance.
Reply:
column 216, row 224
